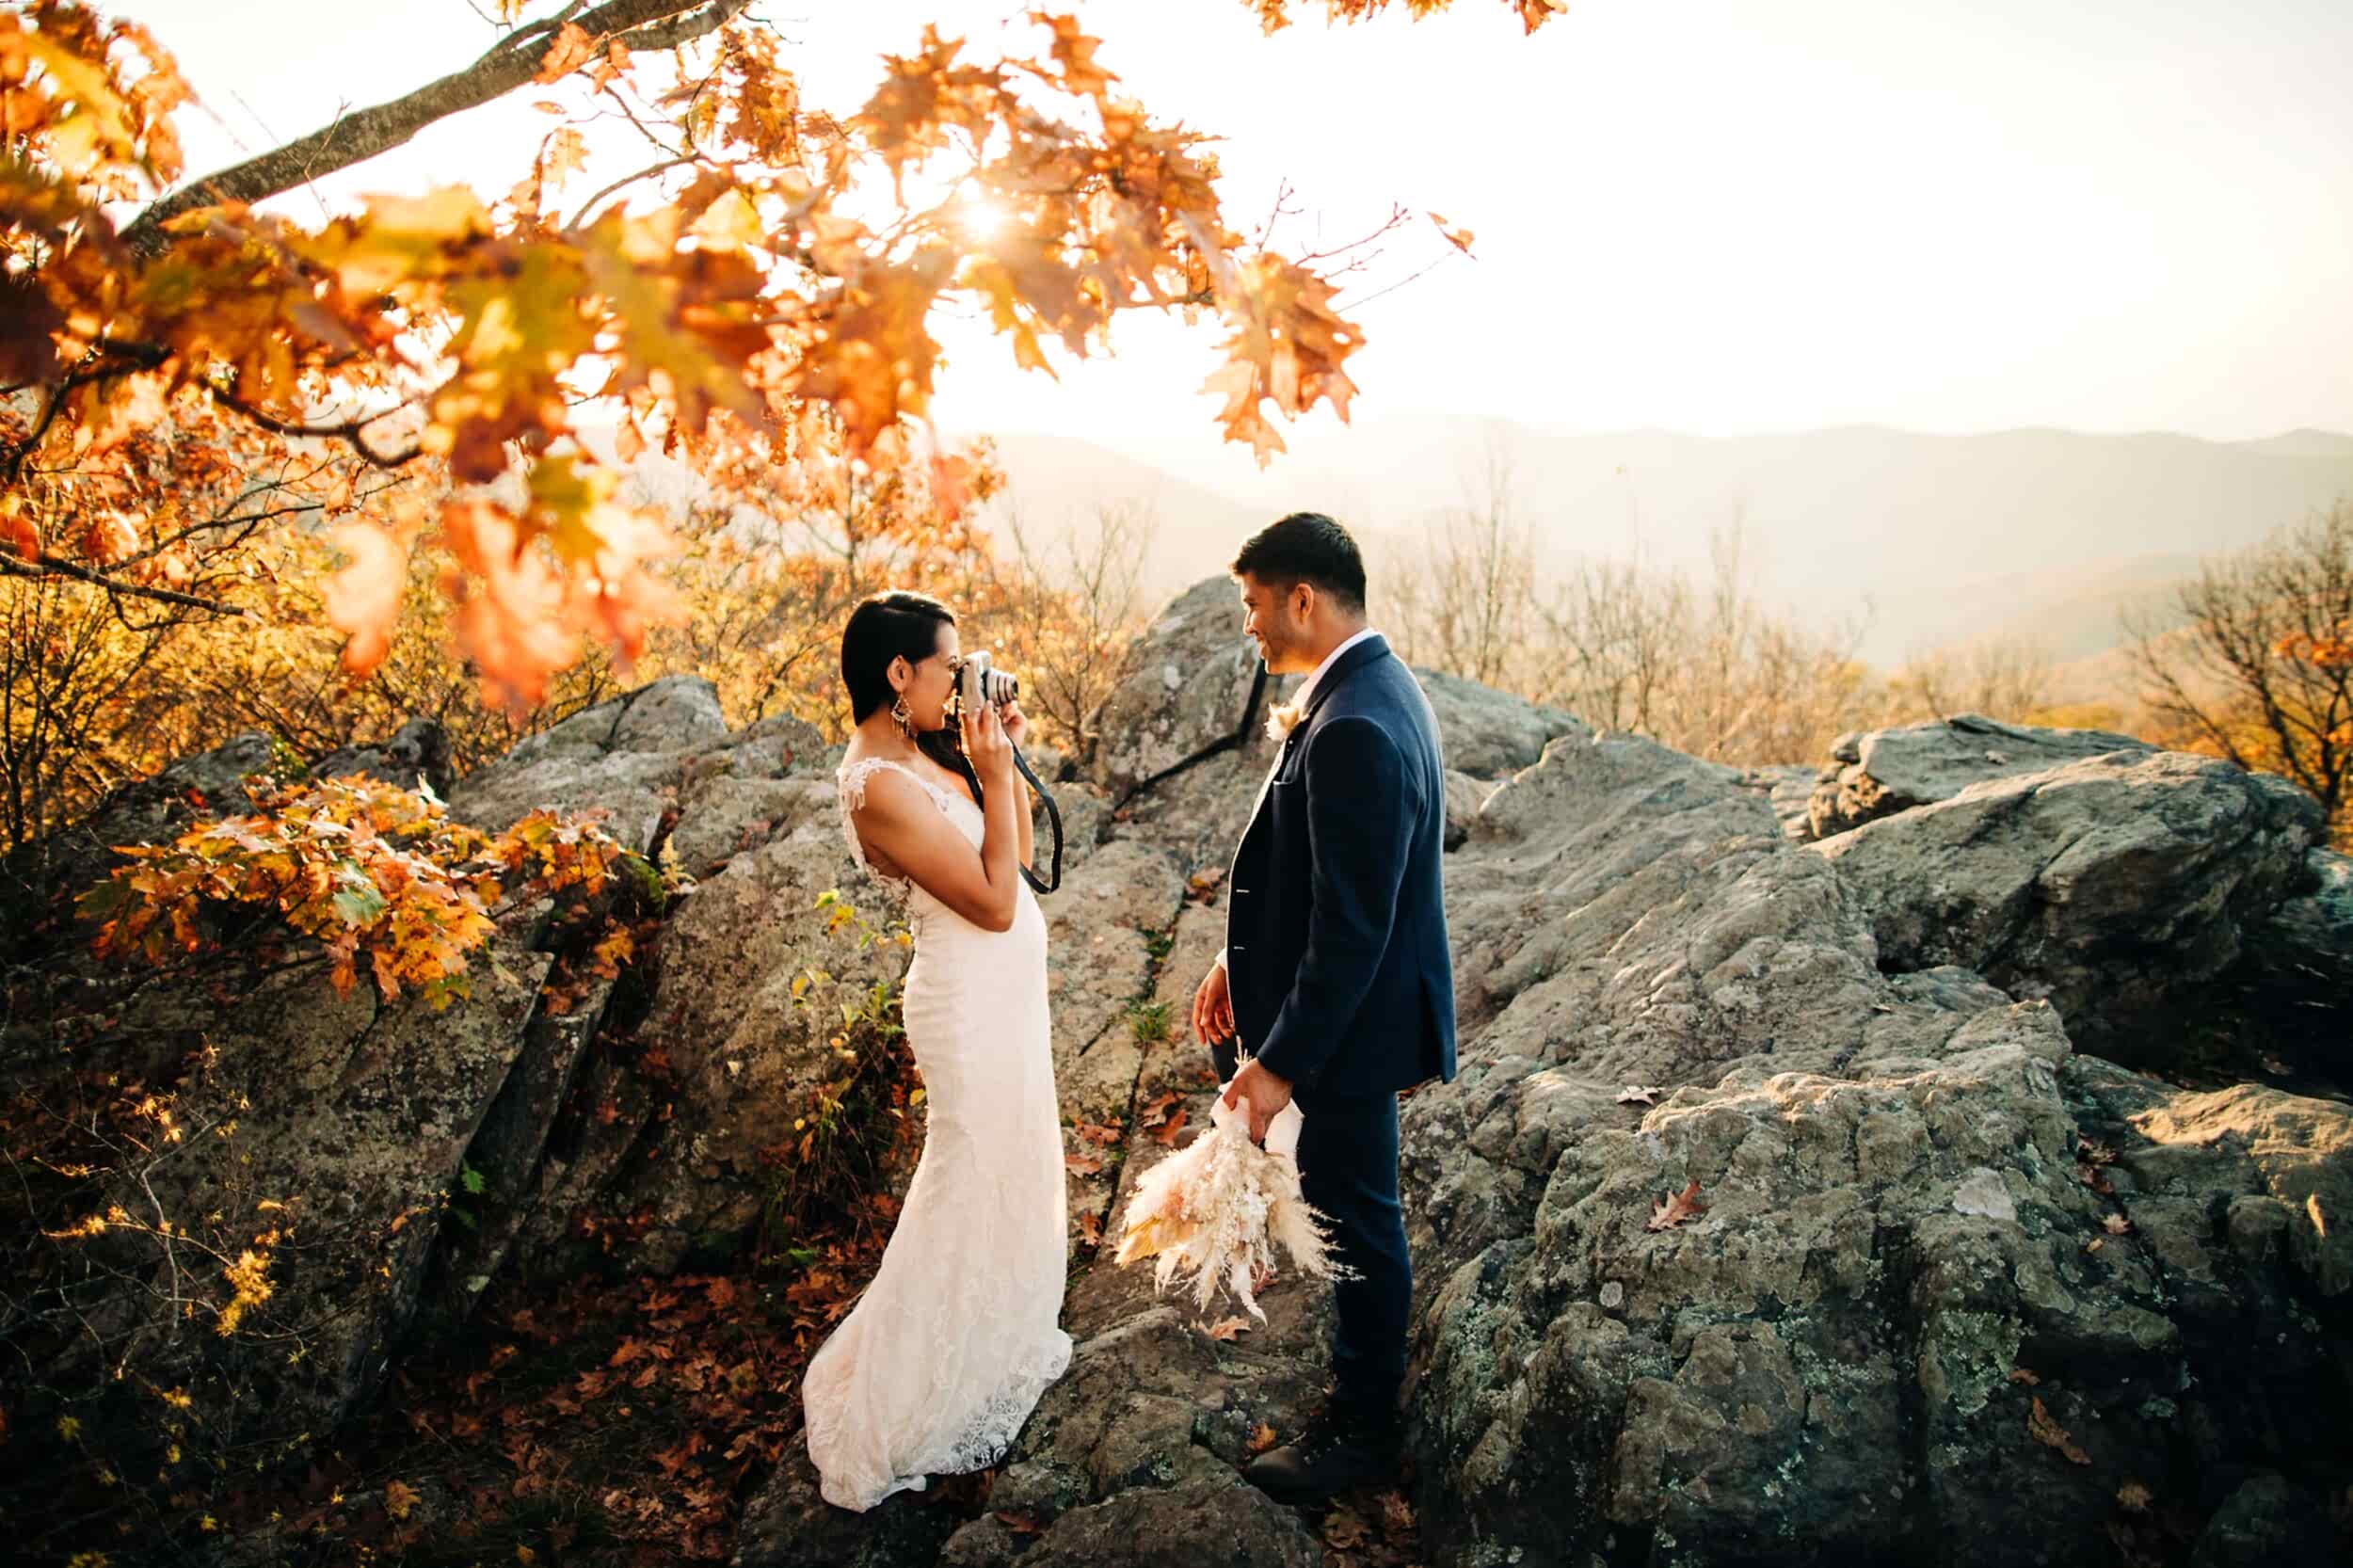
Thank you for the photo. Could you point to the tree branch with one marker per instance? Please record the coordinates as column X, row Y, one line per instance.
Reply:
column 48, row 567
column 348, row 430
column 644, row 25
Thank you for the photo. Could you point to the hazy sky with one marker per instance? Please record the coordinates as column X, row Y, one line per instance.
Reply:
column 1709, row 215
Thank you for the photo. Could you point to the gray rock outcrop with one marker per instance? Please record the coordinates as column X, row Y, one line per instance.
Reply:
column 1880, row 773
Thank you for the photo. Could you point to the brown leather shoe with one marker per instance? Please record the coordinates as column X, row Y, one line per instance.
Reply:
column 1330, row 1457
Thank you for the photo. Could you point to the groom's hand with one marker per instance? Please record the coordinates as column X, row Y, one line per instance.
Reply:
column 1262, row 1094
column 1213, row 1008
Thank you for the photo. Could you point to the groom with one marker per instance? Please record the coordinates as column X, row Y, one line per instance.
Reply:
column 1336, row 973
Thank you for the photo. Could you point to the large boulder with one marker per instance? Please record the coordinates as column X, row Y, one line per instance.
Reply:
column 2300, row 965
column 1487, row 733
column 417, row 750
column 745, row 1036
column 622, row 760
column 319, row 1139
column 1185, row 684
column 2122, row 886
column 42, row 876
column 1100, row 931
column 1921, row 1276
column 1880, row 773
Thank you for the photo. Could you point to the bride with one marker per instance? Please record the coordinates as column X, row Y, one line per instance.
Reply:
column 947, row 1352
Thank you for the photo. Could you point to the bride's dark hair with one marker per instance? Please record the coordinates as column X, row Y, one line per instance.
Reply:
column 899, row 625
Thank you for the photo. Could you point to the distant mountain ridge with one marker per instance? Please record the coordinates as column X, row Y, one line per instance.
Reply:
column 2032, row 534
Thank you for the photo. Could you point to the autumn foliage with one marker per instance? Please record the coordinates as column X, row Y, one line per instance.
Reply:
column 376, row 875
column 2261, row 670
column 758, row 295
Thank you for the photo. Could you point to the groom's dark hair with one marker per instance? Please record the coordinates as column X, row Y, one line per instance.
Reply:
column 1307, row 547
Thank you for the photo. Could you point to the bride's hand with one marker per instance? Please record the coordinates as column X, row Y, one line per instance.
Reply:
column 1016, row 723
column 985, row 743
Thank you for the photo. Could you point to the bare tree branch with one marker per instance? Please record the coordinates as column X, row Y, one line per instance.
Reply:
column 348, row 430
column 48, row 567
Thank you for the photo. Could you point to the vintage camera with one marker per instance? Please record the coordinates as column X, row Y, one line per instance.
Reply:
column 980, row 682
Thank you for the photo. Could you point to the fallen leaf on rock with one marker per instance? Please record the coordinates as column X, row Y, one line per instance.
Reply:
column 2312, row 1210
column 1020, row 1524
column 1168, row 1130
column 398, row 1499
column 2047, row 1431
column 1091, row 1229
column 1635, row 1093
column 2117, row 1225
column 2091, row 1177
column 2094, row 1152
column 1083, row 1164
column 1397, row 1514
column 1227, row 1328
column 1669, row 1212
column 1262, row 1438
column 1343, row 1529
column 2133, row 1498
column 2020, row 1374
column 1097, row 1132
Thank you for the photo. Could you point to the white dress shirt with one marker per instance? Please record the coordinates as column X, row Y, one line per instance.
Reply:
column 1307, row 689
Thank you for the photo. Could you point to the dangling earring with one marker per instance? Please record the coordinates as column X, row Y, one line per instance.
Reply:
column 899, row 716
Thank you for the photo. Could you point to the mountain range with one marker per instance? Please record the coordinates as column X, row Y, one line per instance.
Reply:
column 2035, row 536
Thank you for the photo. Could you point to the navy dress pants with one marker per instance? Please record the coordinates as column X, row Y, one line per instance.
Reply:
column 1348, row 1172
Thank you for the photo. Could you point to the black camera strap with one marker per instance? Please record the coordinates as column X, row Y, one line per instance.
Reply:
column 1053, row 815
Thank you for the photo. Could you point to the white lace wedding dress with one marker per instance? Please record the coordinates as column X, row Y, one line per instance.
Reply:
column 947, row 1352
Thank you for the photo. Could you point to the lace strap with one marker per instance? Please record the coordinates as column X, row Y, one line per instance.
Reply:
column 852, row 778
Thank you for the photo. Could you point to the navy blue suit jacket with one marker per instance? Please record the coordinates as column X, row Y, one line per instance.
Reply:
column 1336, row 939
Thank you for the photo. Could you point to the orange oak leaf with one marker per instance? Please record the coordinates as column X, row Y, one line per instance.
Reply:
column 571, row 49
column 1669, row 1212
